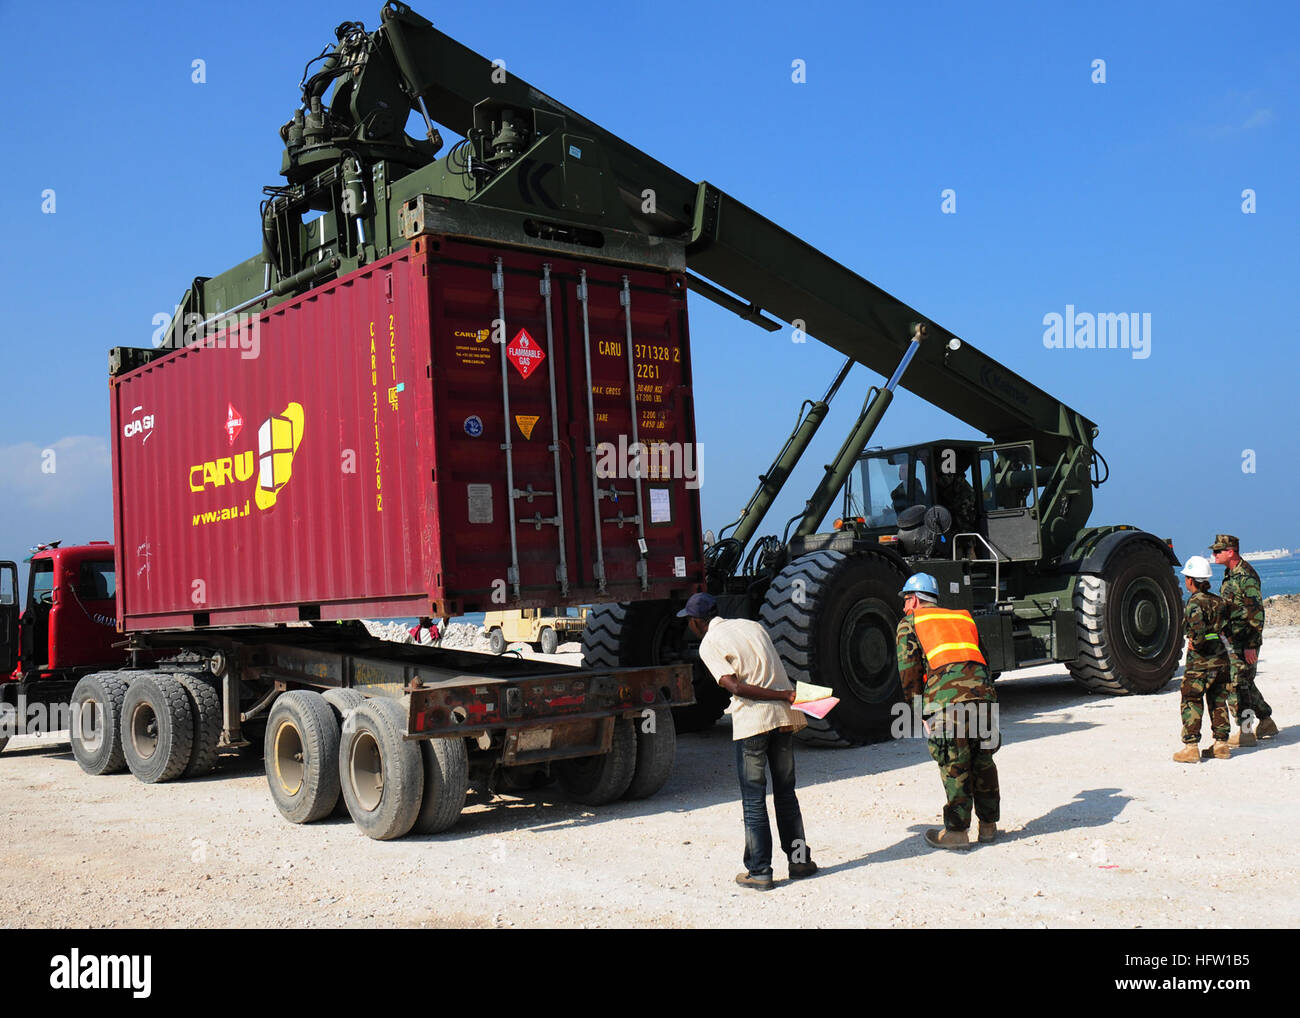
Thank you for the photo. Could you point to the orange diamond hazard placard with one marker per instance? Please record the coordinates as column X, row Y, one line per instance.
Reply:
column 524, row 353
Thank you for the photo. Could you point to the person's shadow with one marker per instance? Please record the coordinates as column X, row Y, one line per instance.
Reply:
column 1094, row 807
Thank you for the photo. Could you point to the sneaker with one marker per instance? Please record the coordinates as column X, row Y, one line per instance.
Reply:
column 757, row 883
column 799, row 870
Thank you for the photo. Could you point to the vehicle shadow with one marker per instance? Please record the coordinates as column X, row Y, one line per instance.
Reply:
column 50, row 747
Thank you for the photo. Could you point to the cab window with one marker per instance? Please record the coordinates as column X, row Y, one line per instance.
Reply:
column 97, row 581
column 42, row 581
column 1008, row 478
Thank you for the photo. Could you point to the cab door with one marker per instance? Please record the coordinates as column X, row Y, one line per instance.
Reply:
column 1009, row 500
column 8, row 618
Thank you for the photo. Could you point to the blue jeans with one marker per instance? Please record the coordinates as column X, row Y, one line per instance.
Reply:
column 754, row 755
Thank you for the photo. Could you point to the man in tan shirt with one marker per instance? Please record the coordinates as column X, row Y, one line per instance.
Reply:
column 743, row 661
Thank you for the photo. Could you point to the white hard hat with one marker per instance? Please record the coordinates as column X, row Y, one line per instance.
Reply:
column 1197, row 567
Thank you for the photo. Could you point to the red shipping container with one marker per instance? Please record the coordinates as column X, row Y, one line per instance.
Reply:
column 344, row 455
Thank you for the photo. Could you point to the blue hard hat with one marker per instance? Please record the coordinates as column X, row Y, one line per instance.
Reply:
column 922, row 583
column 699, row 606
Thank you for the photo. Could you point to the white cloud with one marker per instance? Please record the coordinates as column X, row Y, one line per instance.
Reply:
column 69, row 471
column 1260, row 118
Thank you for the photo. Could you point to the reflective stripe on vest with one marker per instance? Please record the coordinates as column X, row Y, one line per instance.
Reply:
column 947, row 636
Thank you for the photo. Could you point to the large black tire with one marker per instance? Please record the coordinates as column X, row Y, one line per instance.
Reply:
column 446, row 782
column 649, row 633
column 343, row 702
column 656, row 751
column 96, row 733
column 497, row 641
column 157, row 728
column 382, row 774
column 205, row 704
column 549, row 640
column 301, row 753
column 597, row 780
column 1130, row 623
column 832, row 618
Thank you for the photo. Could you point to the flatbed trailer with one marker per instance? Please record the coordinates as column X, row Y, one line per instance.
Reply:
column 394, row 734
column 390, row 734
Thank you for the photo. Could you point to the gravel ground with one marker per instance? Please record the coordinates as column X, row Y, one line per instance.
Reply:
column 1101, row 828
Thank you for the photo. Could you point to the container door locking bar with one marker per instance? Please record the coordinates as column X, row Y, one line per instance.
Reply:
column 625, row 299
column 562, row 569
column 499, row 285
column 599, row 568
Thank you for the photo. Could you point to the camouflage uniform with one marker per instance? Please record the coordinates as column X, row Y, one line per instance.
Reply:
column 1245, row 631
column 965, row 764
column 954, row 493
column 1206, row 676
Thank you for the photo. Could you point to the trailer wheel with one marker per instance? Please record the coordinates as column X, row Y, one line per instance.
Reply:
column 656, row 751
column 343, row 702
column 446, row 781
column 205, row 704
column 600, row 779
column 549, row 641
column 497, row 641
column 301, row 749
column 96, row 732
column 649, row 633
column 1130, row 623
column 157, row 728
column 832, row 618
column 382, row 773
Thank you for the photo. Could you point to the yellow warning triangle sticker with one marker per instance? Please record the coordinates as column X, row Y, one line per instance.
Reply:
column 526, row 424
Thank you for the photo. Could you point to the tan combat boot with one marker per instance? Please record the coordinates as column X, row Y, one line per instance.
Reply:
column 1243, row 739
column 1190, row 753
column 945, row 838
column 1266, row 729
column 1221, row 751
column 988, row 832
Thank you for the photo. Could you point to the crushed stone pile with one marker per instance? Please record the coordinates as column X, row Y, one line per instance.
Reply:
column 456, row 636
column 1282, row 610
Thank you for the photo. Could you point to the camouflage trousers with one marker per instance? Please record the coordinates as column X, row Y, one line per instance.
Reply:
column 1246, row 693
column 968, row 774
column 1209, row 684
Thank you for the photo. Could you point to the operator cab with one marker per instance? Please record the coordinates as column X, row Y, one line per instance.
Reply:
column 949, row 499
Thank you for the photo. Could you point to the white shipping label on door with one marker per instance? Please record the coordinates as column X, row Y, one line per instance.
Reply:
column 679, row 566
column 480, row 503
column 661, row 506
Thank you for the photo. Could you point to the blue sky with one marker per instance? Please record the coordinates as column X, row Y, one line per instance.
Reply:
column 1117, row 197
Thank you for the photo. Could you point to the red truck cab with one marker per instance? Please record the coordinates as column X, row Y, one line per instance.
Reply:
column 67, row 626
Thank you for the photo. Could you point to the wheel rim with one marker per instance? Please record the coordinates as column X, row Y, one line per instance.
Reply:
column 1145, row 618
column 144, row 731
column 290, row 759
column 90, row 726
column 366, row 771
column 866, row 646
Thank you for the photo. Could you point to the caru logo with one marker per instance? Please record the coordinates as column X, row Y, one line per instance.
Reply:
column 278, row 439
